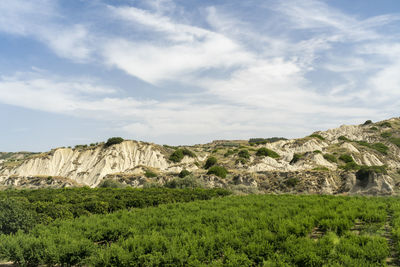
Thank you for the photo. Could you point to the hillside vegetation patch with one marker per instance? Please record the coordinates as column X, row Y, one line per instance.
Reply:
column 265, row 152
column 318, row 136
column 218, row 171
column 180, row 153
column 211, row 161
column 113, row 141
column 330, row 158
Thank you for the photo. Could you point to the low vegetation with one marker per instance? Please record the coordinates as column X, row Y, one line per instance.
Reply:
column 211, row 161
column 255, row 230
column 150, row 174
column 184, row 173
column 23, row 209
column 261, row 141
column 395, row 141
column 113, row 141
column 343, row 138
column 296, row 158
column 180, row 153
column 265, row 152
column 318, row 136
column 244, row 153
column 331, row 158
column 218, row 171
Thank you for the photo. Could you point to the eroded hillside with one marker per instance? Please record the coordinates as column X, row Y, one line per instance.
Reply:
column 349, row 159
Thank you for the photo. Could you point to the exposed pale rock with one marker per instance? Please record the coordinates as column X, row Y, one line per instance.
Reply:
column 371, row 160
column 350, row 147
column 319, row 160
column 91, row 165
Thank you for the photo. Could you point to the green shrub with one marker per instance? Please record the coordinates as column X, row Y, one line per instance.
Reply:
column 346, row 158
column 350, row 166
column 363, row 143
column 244, row 154
column 292, row 181
column 267, row 153
column 242, row 161
column 343, row 138
column 330, row 158
column 185, row 182
column 15, row 216
column 211, row 161
column 395, row 141
column 150, row 174
column 385, row 124
column 296, row 158
column 261, row 141
column 189, row 153
column 373, row 128
column 229, row 153
column 218, row 171
column 317, row 136
column 376, row 169
column 367, row 122
column 321, row 168
column 113, row 141
column 365, row 171
column 110, row 183
column 178, row 154
column 184, row 173
column 380, row 147
column 317, row 151
column 386, row 134
column 377, row 146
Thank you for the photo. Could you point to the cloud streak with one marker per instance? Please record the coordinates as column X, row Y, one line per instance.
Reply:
column 300, row 67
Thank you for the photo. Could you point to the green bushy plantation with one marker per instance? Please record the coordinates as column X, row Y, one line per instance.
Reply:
column 254, row 230
column 22, row 209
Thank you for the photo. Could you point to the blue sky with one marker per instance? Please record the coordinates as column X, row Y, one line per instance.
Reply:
column 187, row 72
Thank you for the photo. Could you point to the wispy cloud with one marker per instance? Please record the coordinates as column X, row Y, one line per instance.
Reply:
column 300, row 67
column 42, row 21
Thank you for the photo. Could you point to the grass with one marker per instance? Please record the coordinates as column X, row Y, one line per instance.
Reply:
column 318, row 136
column 330, row 158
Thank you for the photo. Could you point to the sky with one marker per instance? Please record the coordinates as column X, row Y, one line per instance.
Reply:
column 184, row 72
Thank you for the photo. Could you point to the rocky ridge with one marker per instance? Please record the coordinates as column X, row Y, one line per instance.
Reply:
column 328, row 162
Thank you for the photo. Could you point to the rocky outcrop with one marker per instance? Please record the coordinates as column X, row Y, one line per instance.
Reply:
column 307, row 165
column 373, row 184
column 90, row 165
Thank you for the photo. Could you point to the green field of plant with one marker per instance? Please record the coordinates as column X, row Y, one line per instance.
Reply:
column 22, row 209
column 253, row 230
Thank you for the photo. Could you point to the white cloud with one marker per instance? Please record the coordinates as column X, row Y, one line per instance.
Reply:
column 38, row 19
column 254, row 79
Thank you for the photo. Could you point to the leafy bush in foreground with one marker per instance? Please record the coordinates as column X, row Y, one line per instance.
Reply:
column 22, row 209
column 255, row 230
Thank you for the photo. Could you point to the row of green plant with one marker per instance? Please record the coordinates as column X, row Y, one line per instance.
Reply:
column 254, row 230
column 23, row 209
